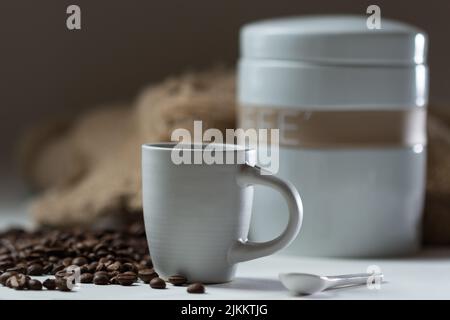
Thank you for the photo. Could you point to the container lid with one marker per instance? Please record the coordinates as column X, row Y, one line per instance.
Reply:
column 339, row 39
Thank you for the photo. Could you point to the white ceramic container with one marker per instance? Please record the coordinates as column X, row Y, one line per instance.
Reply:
column 363, row 193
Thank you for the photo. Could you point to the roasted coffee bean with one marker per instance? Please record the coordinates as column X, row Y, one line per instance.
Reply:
column 101, row 253
column 19, row 269
column 177, row 280
column 92, row 267
column 157, row 283
column 6, row 257
column 35, row 269
column 47, row 269
column 79, row 261
column 57, row 268
column 147, row 275
column 113, row 280
column 6, row 275
column 116, row 266
column 84, row 269
column 34, row 284
column 103, row 260
column 126, row 278
column 102, row 273
column 55, row 251
column 196, row 288
column 100, row 246
column 127, row 266
column 110, row 257
column 17, row 282
column 6, row 264
column 108, row 263
column 53, row 259
column 87, row 278
column 100, row 267
column 63, row 284
column 101, row 279
column 67, row 262
column 50, row 284
column 147, row 262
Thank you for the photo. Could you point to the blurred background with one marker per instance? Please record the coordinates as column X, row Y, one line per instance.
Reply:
column 124, row 45
column 47, row 70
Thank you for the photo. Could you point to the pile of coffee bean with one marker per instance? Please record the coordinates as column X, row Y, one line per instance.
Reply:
column 101, row 257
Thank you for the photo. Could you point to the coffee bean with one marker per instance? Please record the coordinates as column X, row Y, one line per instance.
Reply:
column 57, row 267
column 6, row 264
column 53, row 259
column 100, row 267
column 128, row 267
column 19, row 269
column 35, row 269
column 126, row 278
column 101, row 279
column 177, row 280
column 34, row 285
column 67, row 262
column 55, row 251
column 84, row 269
column 6, row 275
column 147, row 275
column 87, row 278
column 101, row 273
column 116, row 266
column 110, row 257
column 63, row 284
column 196, row 288
column 147, row 262
column 17, row 282
column 47, row 269
column 50, row 284
column 4, row 257
column 113, row 280
column 101, row 253
column 157, row 283
column 92, row 267
column 79, row 261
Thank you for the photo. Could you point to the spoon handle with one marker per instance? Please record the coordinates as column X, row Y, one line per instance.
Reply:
column 353, row 279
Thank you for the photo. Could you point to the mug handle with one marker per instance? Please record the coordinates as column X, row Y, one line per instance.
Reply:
column 244, row 250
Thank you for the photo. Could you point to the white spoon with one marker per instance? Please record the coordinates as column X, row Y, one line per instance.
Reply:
column 305, row 283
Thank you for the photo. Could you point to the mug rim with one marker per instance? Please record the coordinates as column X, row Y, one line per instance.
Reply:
column 169, row 146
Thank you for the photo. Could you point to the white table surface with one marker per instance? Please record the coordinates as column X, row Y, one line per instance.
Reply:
column 425, row 276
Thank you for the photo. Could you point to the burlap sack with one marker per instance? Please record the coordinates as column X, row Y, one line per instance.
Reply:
column 92, row 168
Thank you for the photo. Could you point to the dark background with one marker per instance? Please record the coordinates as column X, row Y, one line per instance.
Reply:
column 46, row 69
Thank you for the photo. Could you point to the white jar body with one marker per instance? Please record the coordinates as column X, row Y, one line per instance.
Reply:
column 364, row 201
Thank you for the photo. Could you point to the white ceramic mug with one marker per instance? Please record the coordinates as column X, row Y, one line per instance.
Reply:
column 197, row 216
